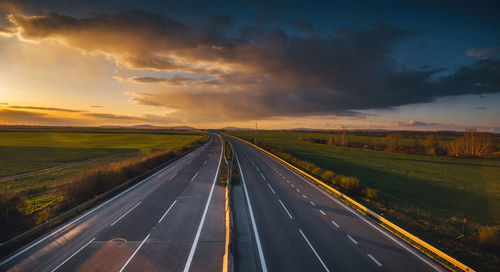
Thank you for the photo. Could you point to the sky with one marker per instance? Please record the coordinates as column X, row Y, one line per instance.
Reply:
column 422, row 65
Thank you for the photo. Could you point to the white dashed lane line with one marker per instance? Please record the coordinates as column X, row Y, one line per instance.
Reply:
column 374, row 260
column 335, row 224
column 352, row 239
column 283, row 205
column 271, row 188
column 315, row 253
column 194, row 176
column 304, row 196
column 312, row 203
column 322, row 212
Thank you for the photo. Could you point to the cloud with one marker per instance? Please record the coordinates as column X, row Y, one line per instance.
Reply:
column 146, row 118
column 44, row 108
column 301, row 25
column 481, row 108
column 96, row 106
column 483, row 53
column 253, row 72
column 413, row 123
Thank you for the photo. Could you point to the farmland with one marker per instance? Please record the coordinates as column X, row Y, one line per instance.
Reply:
column 35, row 164
column 471, row 186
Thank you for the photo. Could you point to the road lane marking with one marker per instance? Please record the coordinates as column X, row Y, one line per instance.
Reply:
column 352, row 239
column 202, row 221
column 263, row 176
column 173, row 176
column 90, row 212
column 298, row 191
column 287, row 181
column 374, row 260
column 135, row 252
column 315, row 253
column 312, row 203
column 336, row 225
column 194, row 176
column 125, row 213
column 205, row 162
column 283, row 205
column 338, row 201
column 293, row 185
column 159, row 221
column 322, row 212
column 72, row 255
column 271, row 188
column 304, row 196
column 252, row 218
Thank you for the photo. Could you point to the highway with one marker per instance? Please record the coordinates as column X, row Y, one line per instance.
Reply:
column 171, row 221
column 299, row 227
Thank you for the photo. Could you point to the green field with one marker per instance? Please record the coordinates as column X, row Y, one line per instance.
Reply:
column 25, row 151
column 442, row 186
column 22, row 151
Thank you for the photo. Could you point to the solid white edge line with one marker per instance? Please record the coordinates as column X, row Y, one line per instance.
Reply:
column 338, row 201
column 194, row 176
column 315, row 253
column 336, row 225
column 133, row 254
column 126, row 213
column 271, row 188
column 352, row 239
column 202, row 221
column 374, row 260
column 252, row 218
column 159, row 221
column 91, row 211
column 283, row 205
column 72, row 255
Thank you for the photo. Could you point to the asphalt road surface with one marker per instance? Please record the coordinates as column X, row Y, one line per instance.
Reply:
column 171, row 221
column 299, row 227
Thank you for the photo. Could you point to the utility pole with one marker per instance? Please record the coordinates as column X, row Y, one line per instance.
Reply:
column 255, row 139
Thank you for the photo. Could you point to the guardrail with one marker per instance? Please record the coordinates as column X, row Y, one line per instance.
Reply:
column 423, row 246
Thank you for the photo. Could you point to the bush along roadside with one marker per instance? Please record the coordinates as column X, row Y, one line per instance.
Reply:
column 79, row 194
column 472, row 243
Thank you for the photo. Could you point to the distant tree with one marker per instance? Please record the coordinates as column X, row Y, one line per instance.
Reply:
column 394, row 142
column 331, row 140
column 472, row 144
column 432, row 147
column 343, row 139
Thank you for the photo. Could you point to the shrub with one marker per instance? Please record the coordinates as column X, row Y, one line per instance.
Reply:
column 489, row 237
column 350, row 184
column 328, row 176
column 12, row 203
column 317, row 171
column 371, row 193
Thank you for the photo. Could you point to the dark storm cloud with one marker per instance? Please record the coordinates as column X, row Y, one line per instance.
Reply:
column 301, row 25
column 260, row 72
